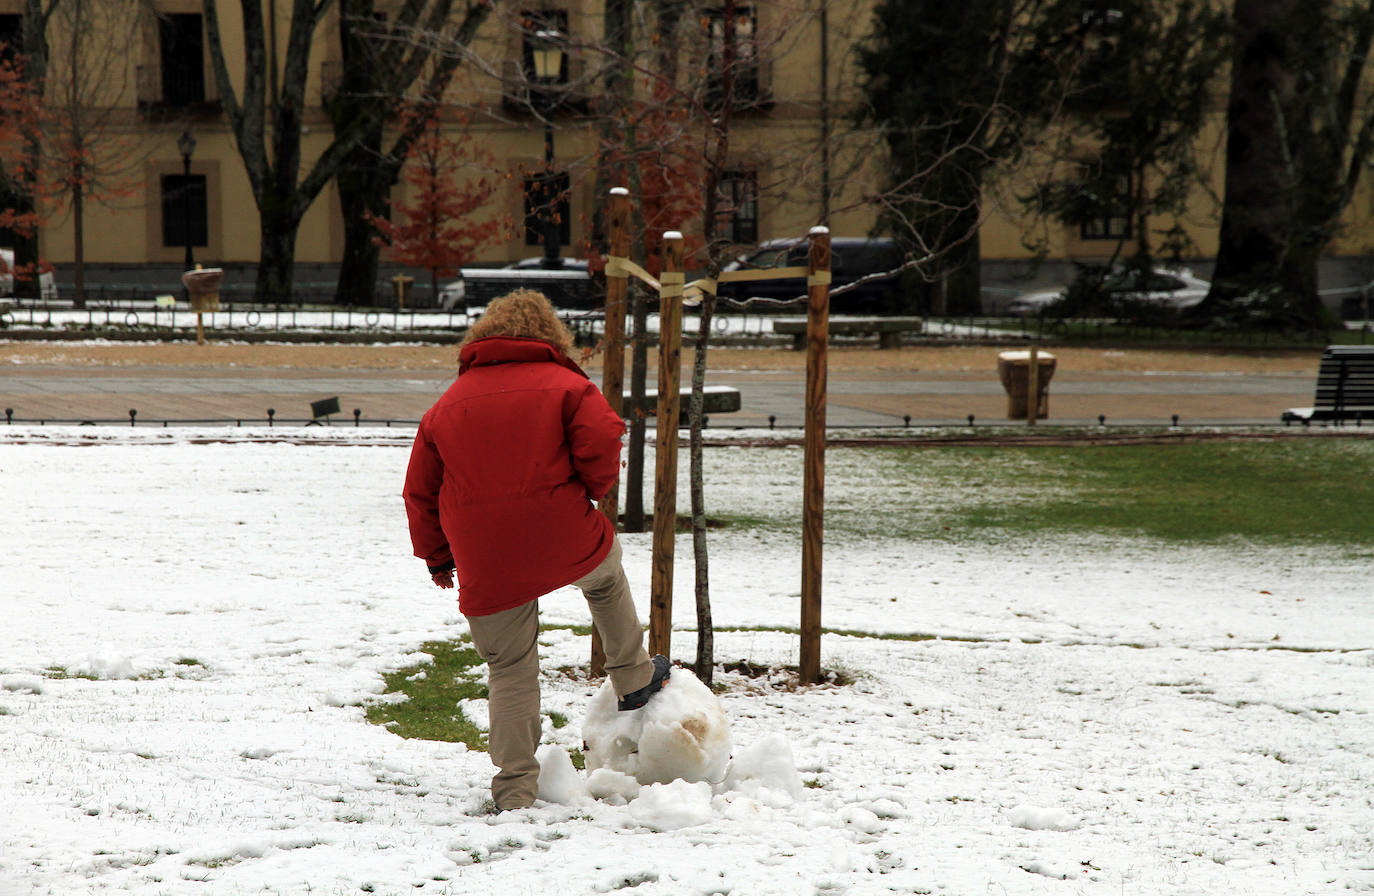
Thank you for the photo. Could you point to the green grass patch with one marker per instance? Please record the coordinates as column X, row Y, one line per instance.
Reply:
column 430, row 709
column 1298, row 491
column 1301, row 491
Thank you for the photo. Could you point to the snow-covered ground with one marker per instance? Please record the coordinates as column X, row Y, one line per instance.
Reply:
column 193, row 619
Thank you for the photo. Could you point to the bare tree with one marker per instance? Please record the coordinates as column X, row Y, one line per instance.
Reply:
column 266, row 113
column 91, row 156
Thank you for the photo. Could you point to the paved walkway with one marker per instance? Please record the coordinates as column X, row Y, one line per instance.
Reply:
column 881, row 398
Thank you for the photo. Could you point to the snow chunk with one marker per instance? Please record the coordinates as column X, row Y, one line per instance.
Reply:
column 1035, row 818
column 681, row 734
column 21, row 684
column 766, row 772
column 108, row 665
column 559, row 781
column 612, row 786
column 666, row 807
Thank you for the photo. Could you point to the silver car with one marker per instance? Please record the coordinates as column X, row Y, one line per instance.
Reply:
column 1174, row 288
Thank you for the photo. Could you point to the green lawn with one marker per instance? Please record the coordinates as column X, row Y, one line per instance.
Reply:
column 1274, row 491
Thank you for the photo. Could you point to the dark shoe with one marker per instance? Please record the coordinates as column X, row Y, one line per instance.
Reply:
column 636, row 699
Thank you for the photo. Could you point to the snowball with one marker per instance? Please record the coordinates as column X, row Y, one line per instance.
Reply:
column 665, row 807
column 681, row 733
column 766, row 771
column 559, row 781
column 1035, row 818
column 861, row 819
column 612, row 786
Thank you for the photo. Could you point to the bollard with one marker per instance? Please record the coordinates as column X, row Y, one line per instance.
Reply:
column 357, row 415
column 906, row 419
column 1101, row 419
column 970, row 421
column 9, row 416
column 271, row 413
column 132, row 414
column 1175, row 419
column 771, row 420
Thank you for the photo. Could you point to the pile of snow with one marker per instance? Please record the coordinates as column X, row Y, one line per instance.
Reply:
column 670, row 761
column 681, row 733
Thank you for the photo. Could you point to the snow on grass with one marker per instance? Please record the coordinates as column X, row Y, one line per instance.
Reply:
column 193, row 633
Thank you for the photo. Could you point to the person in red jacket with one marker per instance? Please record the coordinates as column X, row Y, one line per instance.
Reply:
column 501, row 489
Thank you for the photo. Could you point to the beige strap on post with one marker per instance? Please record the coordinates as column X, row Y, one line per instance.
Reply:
column 619, row 266
column 672, row 283
column 820, row 278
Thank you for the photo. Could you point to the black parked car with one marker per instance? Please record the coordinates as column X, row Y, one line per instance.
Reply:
column 850, row 259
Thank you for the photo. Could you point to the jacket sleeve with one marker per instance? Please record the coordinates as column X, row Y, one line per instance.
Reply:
column 594, row 432
column 424, row 475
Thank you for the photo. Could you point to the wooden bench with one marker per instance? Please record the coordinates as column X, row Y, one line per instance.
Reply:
column 1345, row 387
column 889, row 330
column 715, row 400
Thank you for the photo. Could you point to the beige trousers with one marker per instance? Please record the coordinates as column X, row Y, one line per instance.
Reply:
column 508, row 641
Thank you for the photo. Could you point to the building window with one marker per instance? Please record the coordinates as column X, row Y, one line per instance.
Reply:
column 181, row 44
column 184, row 207
column 746, row 58
column 739, row 206
column 1115, row 225
column 545, row 193
column 11, row 36
column 1110, row 218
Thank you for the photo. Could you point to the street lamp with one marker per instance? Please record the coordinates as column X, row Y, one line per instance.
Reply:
column 186, row 144
column 548, row 66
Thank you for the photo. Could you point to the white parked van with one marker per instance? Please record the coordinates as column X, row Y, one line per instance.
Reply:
column 47, row 286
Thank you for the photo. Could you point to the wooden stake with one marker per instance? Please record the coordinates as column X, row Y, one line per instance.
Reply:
column 200, row 329
column 669, row 408
column 813, row 490
column 1033, row 386
column 613, row 373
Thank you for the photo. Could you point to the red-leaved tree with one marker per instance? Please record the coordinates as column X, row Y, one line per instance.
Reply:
column 442, row 222
column 20, row 116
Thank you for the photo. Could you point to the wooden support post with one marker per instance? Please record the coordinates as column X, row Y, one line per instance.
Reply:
column 613, row 373
column 1033, row 386
column 813, row 489
column 665, row 481
column 200, row 329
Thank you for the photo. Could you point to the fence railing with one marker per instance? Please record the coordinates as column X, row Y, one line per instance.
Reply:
column 153, row 318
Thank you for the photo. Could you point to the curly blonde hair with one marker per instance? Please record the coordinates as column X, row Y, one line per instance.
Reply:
column 523, row 312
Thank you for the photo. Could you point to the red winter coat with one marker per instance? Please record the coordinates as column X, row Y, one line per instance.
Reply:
column 504, row 471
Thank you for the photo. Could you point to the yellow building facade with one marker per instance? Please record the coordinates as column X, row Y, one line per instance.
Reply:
column 793, row 159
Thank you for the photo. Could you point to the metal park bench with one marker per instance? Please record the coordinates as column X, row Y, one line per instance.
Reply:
column 889, row 330
column 1345, row 387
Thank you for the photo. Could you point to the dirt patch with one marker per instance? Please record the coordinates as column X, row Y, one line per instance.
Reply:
column 909, row 359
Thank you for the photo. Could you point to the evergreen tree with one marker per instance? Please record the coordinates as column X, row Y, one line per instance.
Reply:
column 953, row 90
column 1136, row 109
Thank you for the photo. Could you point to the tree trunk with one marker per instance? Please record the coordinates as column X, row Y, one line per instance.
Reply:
column 277, row 258
column 963, row 280
column 363, row 184
column 1260, row 244
column 706, row 644
column 639, row 366
column 78, row 244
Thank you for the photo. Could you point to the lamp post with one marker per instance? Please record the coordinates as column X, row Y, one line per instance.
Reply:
column 548, row 66
column 186, row 144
